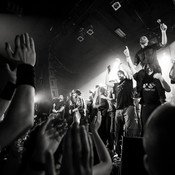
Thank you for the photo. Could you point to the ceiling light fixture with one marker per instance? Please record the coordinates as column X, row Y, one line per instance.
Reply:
column 90, row 32
column 120, row 33
column 116, row 5
column 80, row 38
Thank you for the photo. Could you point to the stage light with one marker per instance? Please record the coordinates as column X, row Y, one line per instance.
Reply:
column 164, row 61
column 116, row 5
column 36, row 98
column 80, row 38
column 114, row 69
column 120, row 33
column 39, row 97
column 90, row 32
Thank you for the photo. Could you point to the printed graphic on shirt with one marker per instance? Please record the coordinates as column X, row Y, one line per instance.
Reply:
column 149, row 87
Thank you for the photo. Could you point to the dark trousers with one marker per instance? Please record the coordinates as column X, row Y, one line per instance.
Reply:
column 103, row 127
column 146, row 111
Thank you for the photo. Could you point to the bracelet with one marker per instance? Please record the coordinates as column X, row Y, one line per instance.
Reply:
column 37, row 166
column 8, row 91
column 25, row 75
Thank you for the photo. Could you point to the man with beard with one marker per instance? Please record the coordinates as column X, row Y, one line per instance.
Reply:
column 125, row 114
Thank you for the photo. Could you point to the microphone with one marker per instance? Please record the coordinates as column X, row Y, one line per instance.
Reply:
column 159, row 21
column 162, row 26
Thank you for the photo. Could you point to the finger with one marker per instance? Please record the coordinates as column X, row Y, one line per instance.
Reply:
column 67, row 155
column 9, row 50
column 99, row 118
column 17, row 42
column 126, row 47
column 94, row 119
column 32, row 44
column 77, row 146
column 27, row 40
column 22, row 38
column 91, row 158
column 8, row 67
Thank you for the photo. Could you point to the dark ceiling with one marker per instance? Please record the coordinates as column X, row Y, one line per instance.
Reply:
column 56, row 25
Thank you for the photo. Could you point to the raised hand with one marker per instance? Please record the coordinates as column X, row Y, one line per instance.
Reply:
column 78, row 152
column 158, row 76
column 50, row 135
column 126, row 51
column 96, row 122
column 163, row 27
column 24, row 50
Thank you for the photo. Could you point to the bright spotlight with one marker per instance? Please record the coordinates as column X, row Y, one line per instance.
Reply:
column 38, row 98
column 114, row 69
column 164, row 61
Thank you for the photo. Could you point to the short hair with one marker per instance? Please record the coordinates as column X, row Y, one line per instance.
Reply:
column 78, row 92
column 122, row 72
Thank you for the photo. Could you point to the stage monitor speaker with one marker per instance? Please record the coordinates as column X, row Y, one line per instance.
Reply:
column 132, row 156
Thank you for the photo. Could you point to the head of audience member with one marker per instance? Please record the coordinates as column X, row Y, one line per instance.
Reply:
column 149, row 69
column 158, row 141
column 121, row 75
column 152, row 68
column 61, row 97
column 73, row 95
column 78, row 92
column 143, row 41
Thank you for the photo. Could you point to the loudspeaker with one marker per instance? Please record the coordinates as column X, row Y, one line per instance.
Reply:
column 132, row 156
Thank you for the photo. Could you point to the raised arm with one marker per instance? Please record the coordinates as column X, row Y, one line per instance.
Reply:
column 78, row 152
column 8, row 91
column 107, row 82
column 163, row 29
column 105, row 165
column 20, row 114
column 129, row 61
column 164, row 84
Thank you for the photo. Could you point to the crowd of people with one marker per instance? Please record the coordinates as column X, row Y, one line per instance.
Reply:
column 83, row 137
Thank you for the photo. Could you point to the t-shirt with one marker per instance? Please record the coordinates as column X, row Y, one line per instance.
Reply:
column 59, row 104
column 124, row 93
column 149, row 92
column 148, row 55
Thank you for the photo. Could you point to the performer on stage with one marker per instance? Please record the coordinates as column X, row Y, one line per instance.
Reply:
column 152, row 91
column 147, row 56
column 58, row 107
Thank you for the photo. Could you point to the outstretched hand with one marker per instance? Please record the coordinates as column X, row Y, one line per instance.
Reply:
column 126, row 51
column 49, row 136
column 163, row 27
column 96, row 122
column 24, row 50
column 78, row 152
column 158, row 76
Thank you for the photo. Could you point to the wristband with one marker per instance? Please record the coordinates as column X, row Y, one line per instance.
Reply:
column 25, row 75
column 8, row 91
